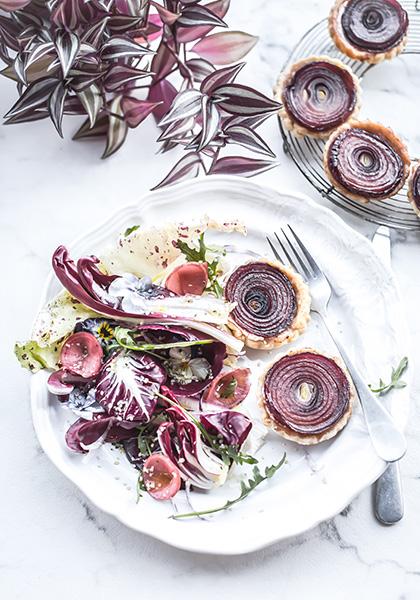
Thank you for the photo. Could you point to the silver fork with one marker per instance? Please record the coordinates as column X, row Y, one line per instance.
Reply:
column 387, row 440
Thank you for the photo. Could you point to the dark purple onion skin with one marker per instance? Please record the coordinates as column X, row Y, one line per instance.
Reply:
column 329, row 399
column 320, row 96
column 374, row 25
column 347, row 155
column 266, row 300
column 415, row 187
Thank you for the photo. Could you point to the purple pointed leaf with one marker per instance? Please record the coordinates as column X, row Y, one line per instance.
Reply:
column 119, row 74
column 92, row 102
column 38, row 53
column 73, row 106
column 130, row 7
column 163, row 61
column 35, row 96
column 250, row 122
column 127, row 386
column 10, row 73
column 211, row 121
column 99, row 129
column 225, row 47
column 94, row 34
column 162, row 92
column 186, row 104
column 241, row 165
column 177, row 130
column 187, row 168
column 190, row 34
column 168, row 17
column 117, row 128
column 9, row 32
column 56, row 106
column 248, row 139
column 242, row 100
column 220, row 77
column 194, row 15
column 19, row 67
column 199, row 68
column 124, row 24
column 135, row 111
column 26, row 117
column 122, row 47
column 67, row 44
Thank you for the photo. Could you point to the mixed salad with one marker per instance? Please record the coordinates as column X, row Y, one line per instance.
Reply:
column 139, row 350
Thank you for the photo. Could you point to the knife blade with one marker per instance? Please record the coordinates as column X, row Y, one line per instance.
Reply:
column 388, row 494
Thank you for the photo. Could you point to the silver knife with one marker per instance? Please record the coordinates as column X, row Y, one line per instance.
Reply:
column 388, row 495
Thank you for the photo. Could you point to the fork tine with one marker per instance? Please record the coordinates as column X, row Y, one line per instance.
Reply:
column 299, row 264
column 285, row 252
column 273, row 248
column 306, row 253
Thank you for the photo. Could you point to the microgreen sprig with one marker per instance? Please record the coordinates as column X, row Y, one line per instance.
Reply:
column 246, row 488
column 396, row 383
column 124, row 337
column 200, row 254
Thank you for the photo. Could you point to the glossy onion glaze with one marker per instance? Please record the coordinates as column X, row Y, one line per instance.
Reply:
column 320, row 96
column 415, row 187
column 365, row 163
column 266, row 300
column 306, row 392
column 374, row 25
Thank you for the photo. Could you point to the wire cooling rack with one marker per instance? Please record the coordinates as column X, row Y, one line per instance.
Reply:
column 307, row 153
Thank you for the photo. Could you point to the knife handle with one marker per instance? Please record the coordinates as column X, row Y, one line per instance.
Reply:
column 389, row 503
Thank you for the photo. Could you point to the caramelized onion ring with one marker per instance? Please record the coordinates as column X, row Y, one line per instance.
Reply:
column 414, row 189
column 320, row 95
column 369, row 162
column 306, row 392
column 374, row 25
column 265, row 298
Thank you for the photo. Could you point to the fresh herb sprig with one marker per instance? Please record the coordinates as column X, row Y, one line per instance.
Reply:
column 396, row 382
column 200, row 254
column 246, row 488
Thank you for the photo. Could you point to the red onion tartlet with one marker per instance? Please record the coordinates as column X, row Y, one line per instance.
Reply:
column 306, row 397
column 366, row 161
column 318, row 95
column 414, row 188
column 369, row 30
column 272, row 304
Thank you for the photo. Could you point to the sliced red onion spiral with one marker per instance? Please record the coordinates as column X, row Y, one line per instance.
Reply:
column 265, row 298
column 365, row 163
column 306, row 392
column 415, row 188
column 374, row 25
column 320, row 96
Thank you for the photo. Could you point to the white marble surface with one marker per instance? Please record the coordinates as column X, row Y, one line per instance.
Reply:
column 53, row 543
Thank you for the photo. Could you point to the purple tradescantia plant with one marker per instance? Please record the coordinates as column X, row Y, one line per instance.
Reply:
column 118, row 61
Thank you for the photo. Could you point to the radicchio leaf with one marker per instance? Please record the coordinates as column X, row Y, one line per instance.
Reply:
column 241, row 165
column 127, row 385
column 233, row 427
column 186, row 168
column 239, row 99
column 189, row 34
column 84, row 435
column 225, row 47
column 181, row 441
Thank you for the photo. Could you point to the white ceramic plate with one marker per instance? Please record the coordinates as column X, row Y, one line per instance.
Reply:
column 317, row 482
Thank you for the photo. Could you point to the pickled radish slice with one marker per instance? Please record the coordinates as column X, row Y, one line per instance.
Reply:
column 229, row 388
column 190, row 278
column 161, row 477
column 82, row 355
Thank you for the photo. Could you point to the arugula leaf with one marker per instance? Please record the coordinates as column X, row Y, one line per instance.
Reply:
column 130, row 230
column 246, row 488
column 395, row 383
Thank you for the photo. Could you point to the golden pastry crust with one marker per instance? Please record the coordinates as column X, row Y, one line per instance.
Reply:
column 297, row 326
column 300, row 438
column 336, row 32
column 392, row 139
column 414, row 167
column 284, row 80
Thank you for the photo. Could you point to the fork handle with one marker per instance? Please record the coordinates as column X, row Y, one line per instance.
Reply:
column 387, row 440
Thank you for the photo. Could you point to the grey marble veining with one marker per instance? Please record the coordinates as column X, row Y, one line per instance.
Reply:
column 53, row 542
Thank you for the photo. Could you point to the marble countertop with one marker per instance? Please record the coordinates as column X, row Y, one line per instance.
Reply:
column 53, row 543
